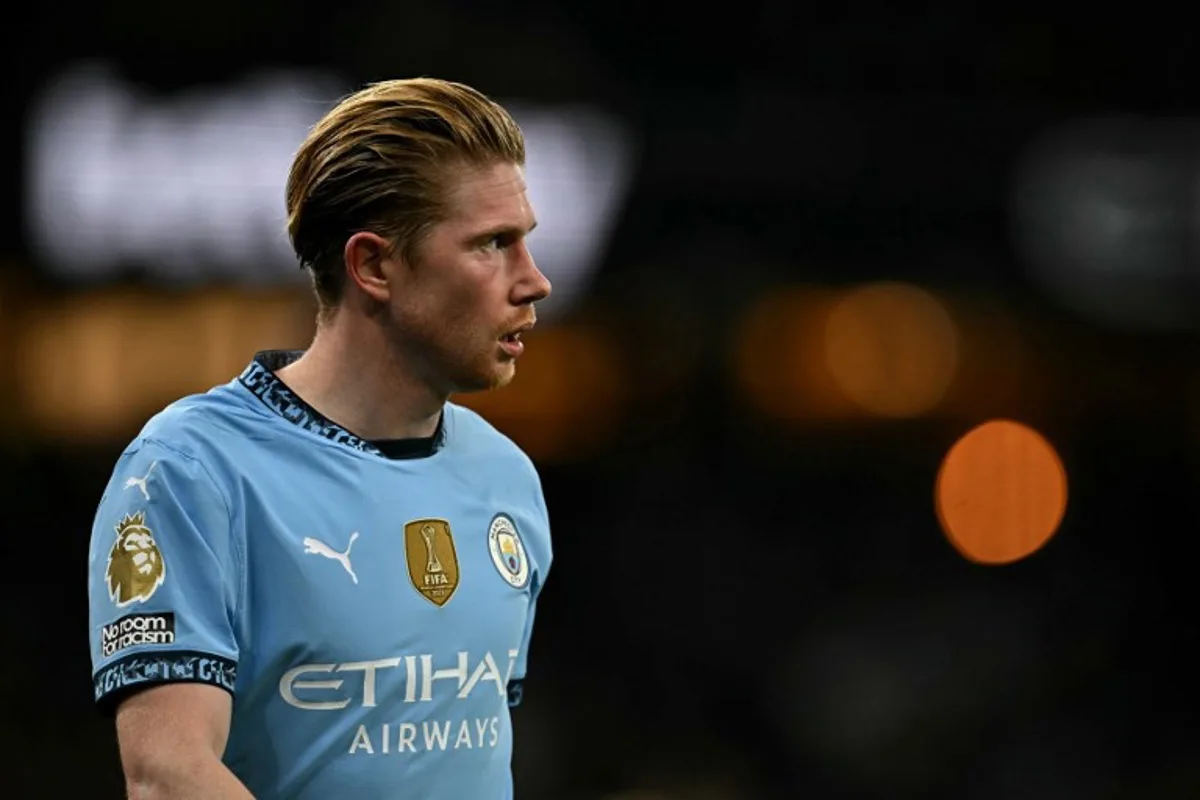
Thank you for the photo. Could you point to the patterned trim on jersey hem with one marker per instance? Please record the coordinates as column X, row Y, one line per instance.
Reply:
column 516, row 692
column 169, row 666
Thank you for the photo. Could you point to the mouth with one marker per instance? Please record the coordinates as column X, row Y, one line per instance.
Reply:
column 511, row 341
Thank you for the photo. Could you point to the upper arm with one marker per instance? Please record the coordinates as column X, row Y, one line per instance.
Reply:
column 164, row 578
column 168, row 726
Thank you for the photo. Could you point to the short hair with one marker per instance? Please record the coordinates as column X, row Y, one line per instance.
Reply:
column 378, row 161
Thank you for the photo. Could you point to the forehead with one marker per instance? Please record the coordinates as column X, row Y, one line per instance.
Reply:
column 489, row 196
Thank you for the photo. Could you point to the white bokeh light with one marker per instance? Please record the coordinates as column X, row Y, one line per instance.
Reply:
column 188, row 188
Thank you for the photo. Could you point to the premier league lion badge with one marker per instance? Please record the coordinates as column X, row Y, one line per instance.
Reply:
column 135, row 567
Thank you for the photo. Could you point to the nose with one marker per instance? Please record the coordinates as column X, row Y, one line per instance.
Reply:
column 533, row 285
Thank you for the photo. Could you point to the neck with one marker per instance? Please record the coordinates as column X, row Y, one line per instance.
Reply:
column 354, row 377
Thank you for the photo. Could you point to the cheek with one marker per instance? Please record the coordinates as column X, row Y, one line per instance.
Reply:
column 437, row 299
column 462, row 311
column 453, row 315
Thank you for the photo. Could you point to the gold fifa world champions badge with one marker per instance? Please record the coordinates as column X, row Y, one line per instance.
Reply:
column 135, row 565
column 432, row 562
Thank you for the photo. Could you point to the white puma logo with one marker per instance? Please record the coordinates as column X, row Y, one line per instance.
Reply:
column 312, row 545
column 141, row 482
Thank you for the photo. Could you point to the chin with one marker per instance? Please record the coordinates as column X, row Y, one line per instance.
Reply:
column 499, row 376
column 502, row 375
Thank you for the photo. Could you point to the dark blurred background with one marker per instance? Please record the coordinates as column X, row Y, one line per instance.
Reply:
column 797, row 254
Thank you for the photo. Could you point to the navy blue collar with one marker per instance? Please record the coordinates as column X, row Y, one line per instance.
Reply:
column 260, row 380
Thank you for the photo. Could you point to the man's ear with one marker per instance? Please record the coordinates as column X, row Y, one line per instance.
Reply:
column 365, row 256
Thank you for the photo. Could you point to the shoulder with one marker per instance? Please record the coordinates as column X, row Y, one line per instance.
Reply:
column 189, row 440
column 173, row 476
column 198, row 425
column 473, row 434
column 478, row 442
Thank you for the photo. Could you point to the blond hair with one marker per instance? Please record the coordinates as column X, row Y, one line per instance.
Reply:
column 378, row 162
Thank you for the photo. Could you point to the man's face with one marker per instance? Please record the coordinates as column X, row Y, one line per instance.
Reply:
column 472, row 285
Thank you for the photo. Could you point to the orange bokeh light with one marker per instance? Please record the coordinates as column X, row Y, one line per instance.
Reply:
column 885, row 349
column 892, row 349
column 778, row 357
column 96, row 364
column 1001, row 492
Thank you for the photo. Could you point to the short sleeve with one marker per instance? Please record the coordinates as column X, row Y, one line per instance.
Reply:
column 163, row 577
column 541, row 555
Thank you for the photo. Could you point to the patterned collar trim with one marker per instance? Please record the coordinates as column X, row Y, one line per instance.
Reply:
column 260, row 380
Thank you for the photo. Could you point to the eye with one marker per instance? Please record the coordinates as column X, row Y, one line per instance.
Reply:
column 499, row 241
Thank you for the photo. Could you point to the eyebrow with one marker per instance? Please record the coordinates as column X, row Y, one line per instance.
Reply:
column 505, row 230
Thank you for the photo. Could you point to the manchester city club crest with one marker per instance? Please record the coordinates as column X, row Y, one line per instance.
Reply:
column 508, row 553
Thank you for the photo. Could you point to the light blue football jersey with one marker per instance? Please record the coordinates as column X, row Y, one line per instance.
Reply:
column 371, row 616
